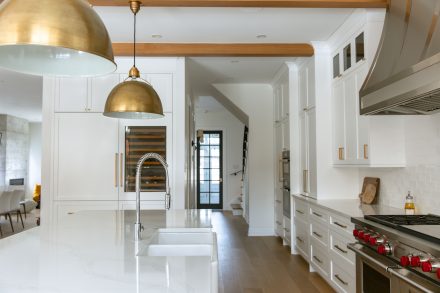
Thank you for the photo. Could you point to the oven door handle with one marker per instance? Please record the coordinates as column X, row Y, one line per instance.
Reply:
column 360, row 250
column 413, row 280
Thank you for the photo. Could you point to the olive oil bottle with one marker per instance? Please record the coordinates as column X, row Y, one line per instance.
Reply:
column 409, row 204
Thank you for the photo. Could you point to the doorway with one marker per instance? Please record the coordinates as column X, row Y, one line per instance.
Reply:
column 210, row 170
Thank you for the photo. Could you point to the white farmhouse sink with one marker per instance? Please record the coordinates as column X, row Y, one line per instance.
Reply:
column 185, row 242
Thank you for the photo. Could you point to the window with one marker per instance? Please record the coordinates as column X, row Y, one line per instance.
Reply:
column 360, row 47
column 336, row 66
column 347, row 57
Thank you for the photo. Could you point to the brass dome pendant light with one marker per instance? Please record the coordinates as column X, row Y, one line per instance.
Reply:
column 134, row 98
column 54, row 37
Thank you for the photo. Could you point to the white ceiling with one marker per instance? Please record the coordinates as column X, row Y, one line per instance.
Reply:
column 223, row 25
column 21, row 95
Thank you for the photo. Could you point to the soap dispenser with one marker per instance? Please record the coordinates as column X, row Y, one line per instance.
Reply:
column 409, row 204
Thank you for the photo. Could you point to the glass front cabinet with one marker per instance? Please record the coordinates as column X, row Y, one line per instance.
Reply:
column 136, row 138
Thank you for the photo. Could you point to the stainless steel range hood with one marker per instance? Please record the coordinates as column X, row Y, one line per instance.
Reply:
column 405, row 76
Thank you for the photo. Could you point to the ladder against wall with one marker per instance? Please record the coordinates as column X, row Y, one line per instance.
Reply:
column 241, row 206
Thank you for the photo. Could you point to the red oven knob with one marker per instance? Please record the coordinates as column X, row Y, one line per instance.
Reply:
column 405, row 261
column 355, row 233
column 438, row 273
column 366, row 237
column 361, row 234
column 376, row 240
column 415, row 261
column 384, row 249
column 426, row 266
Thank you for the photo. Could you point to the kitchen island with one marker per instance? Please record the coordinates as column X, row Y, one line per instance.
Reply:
column 95, row 251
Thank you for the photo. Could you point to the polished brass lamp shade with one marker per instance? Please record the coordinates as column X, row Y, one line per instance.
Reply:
column 133, row 99
column 54, row 37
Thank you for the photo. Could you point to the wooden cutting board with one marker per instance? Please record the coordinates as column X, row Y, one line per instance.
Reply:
column 370, row 190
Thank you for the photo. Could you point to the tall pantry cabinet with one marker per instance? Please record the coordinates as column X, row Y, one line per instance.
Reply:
column 90, row 159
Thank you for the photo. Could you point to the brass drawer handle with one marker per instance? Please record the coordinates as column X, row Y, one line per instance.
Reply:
column 300, row 212
column 340, row 225
column 317, row 259
column 340, row 280
column 317, row 234
column 341, row 153
column 316, row 214
column 299, row 239
column 366, row 151
column 340, row 249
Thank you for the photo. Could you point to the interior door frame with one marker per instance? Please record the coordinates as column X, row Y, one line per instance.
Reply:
column 211, row 206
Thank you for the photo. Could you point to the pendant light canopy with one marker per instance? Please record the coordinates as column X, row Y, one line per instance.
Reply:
column 54, row 37
column 134, row 98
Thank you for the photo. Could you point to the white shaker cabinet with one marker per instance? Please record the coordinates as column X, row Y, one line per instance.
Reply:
column 77, row 94
column 86, row 157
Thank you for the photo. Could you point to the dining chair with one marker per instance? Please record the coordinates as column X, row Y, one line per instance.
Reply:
column 14, row 206
column 5, row 200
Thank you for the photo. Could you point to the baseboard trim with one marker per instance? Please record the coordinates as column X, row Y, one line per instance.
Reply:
column 261, row 232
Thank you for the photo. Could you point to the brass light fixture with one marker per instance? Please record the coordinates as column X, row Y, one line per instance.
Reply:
column 134, row 98
column 53, row 37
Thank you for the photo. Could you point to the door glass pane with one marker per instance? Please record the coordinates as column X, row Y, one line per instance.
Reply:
column 205, row 139
column 215, row 151
column 347, row 57
column 204, row 174
column 204, row 198
column 204, row 162
column 140, row 140
column 204, row 151
column 204, row 186
column 215, row 162
column 360, row 45
column 336, row 68
column 215, row 186
column 215, row 198
column 214, row 139
column 215, row 174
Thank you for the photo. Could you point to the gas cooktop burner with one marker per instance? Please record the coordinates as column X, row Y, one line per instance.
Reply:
column 398, row 220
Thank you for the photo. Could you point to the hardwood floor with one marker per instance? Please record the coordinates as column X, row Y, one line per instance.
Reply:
column 259, row 264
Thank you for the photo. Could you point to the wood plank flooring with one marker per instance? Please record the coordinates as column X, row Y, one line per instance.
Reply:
column 259, row 264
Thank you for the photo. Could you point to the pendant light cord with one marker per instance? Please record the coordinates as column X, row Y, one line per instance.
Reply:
column 134, row 41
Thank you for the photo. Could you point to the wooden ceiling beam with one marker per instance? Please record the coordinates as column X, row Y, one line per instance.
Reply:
column 213, row 50
column 251, row 3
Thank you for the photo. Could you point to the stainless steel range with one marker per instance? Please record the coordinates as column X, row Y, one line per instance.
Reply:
column 397, row 253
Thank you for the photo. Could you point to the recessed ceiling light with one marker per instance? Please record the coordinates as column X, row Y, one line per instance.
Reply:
column 261, row 36
column 156, row 36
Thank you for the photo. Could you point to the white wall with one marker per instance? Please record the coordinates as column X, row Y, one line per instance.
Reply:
column 256, row 100
column 34, row 166
column 422, row 174
column 232, row 149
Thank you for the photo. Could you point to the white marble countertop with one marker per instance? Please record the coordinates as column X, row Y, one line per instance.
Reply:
column 93, row 251
column 352, row 207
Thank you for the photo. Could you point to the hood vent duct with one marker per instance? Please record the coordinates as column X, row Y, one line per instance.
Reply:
column 405, row 76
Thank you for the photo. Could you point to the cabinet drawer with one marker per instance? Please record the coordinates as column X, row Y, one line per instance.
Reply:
column 319, row 232
column 341, row 225
column 300, row 210
column 319, row 214
column 344, row 281
column 302, row 239
column 287, row 229
column 339, row 250
column 319, row 257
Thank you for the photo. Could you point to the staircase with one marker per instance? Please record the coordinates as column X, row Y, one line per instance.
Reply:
column 239, row 206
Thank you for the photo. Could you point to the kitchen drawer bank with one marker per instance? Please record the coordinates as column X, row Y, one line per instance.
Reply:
column 322, row 231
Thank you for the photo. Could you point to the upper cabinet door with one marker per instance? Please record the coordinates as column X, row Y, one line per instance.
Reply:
column 163, row 84
column 72, row 95
column 86, row 157
column 351, row 114
column 338, row 105
column 100, row 89
column 303, row 90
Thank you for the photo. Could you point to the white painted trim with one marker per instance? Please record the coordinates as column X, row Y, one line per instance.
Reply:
column 280, row 75
column 261, row 232
column 353, row 23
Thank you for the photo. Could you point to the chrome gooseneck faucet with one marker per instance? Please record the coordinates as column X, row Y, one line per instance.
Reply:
column 138, row 226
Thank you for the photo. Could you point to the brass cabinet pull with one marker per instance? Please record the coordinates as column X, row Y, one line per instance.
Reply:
column 340, row 225
column 316, row 214
column 317, row 259
column 300, row 212
column 340, row 280
column 116, row 169
column 299, row 239
column 317, row 234
column 341, row 153
column 366, row 151
column 340, row 249
column 121, row 177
